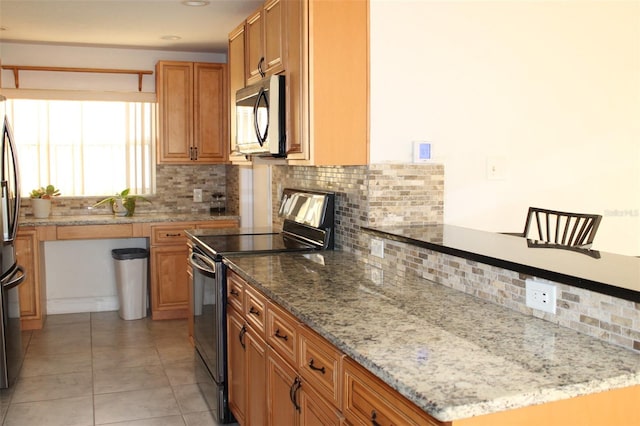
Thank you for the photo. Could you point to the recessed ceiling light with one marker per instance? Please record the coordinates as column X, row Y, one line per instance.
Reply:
column 195, row 2
column 171, row 37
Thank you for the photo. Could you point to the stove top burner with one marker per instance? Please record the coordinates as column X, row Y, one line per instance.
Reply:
column 224, row 245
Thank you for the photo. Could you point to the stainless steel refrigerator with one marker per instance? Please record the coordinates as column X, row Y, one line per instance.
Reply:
column 11, row 274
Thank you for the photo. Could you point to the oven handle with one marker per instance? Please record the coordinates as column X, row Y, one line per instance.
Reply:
column 193, row 260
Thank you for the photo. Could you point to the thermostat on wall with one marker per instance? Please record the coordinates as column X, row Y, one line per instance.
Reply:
column 421, row 152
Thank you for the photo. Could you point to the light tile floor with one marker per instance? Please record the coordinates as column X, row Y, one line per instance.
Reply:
column 95, row 369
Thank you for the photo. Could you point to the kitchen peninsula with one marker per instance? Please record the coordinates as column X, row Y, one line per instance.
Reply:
column 168, row 254
column 602, row 272
column 459, row 359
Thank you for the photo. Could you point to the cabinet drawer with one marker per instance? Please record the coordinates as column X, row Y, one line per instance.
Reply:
column 235, row 291
column 86, row 232
column 254, row 310
column 282, row 333
column 368, row 399
column 170, row 234
column 319, row 364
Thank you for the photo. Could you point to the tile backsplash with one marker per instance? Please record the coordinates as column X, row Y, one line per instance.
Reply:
column 174, row 192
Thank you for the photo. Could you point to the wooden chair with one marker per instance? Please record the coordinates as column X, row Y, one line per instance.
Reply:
column 561, row 228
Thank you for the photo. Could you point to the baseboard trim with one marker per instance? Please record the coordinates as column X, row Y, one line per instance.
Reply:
column 82, row 304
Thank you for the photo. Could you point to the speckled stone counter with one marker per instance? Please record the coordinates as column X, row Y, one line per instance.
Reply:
column 453, row 355
column 105, row 219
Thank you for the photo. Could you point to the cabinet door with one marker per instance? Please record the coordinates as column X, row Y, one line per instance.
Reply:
column 273, row 17
column 32, row 303
column 256, row 381
column 210, row 113
column 169, row 284
column 237, row 79
column 236, row 347
column 283, row 387
column 174, row 86
column 315, row 411
column 254, row 49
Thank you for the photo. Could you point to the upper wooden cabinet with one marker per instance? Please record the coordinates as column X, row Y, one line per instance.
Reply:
column 328, row 82
column 265, row 50
column 193, row 112
column 322, row 49
column 237, row 79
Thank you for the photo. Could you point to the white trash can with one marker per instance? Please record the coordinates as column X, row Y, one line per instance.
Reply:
column 131, row 281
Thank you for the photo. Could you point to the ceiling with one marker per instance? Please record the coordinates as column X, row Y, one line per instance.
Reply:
column 124, row 24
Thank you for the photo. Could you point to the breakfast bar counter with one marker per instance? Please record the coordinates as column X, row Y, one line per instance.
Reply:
column 453, row 355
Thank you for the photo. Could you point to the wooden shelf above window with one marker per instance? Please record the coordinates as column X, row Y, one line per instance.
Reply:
column 17, row 68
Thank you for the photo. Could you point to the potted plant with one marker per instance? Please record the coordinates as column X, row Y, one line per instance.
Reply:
column 41, row 200
column 123, row 203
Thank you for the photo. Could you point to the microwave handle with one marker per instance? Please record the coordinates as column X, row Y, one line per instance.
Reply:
column 262, row 138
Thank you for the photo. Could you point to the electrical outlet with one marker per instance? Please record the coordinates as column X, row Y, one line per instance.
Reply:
column 541, row 295
column 377, row 248
column 377, row 276
column 197, row 195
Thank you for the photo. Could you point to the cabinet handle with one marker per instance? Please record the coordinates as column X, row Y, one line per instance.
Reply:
column 313, row 367
column 281, row 336
column 190, row 153
column 195, row 153
column 254, row 311
column 243, row 331
column 260, row 70
column 293, row 390
column 234, row 292
column 173, row 235
column 374, row 415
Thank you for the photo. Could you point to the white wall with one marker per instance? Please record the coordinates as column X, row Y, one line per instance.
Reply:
column 81, row 274
column 88, row 57
column 551, row 88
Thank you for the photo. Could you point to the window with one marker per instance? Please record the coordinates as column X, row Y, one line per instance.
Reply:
column 85, row 148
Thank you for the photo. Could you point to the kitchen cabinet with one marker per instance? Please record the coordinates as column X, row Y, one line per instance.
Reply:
column 33, row 303
column 367, row 400
column 192, row 112
column 170, row 279
column 265, row 42
column 247, row 355
column 327, row 82
column 237, row 80
column 266, row 384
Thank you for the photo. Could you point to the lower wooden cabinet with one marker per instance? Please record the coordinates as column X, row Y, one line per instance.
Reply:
column 367, row 401
column 236, row 365
column 283, row 394
column 170, row 269
column 266, row 385
column 33, row 304
column 246, row 358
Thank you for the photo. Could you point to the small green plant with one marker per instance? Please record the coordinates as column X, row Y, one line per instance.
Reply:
column 45, row 192
column 122, row 200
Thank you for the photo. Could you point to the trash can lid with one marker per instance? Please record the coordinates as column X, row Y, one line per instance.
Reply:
column 129, row 253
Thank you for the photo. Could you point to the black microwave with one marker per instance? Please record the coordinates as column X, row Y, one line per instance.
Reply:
column 260, row 118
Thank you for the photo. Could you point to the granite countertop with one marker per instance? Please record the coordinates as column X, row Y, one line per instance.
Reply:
column 608, row 273
column 452, row 354
column 107, row 219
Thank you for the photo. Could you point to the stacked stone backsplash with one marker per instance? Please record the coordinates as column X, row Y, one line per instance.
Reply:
column 391, row 194
column 174, row 193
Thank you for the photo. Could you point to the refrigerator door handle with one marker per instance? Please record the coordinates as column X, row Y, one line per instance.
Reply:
column 11, row 281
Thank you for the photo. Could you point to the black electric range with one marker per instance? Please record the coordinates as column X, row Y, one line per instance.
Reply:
column 308, row 225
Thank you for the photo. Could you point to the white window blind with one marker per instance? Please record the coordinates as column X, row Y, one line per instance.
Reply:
column 84, row 148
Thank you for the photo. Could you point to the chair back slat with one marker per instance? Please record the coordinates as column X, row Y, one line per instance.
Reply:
column 570, row 229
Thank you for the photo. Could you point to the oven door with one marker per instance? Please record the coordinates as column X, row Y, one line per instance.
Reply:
column 209, row 316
